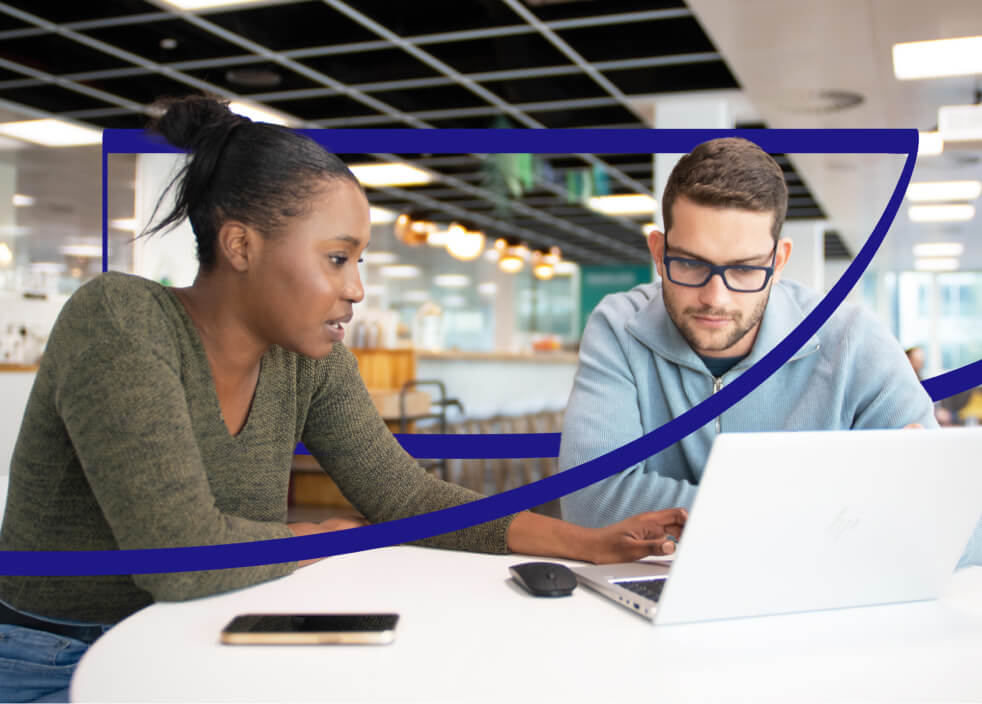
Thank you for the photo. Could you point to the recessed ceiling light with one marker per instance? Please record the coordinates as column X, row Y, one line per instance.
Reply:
column 927, row 191
column 259, row 113
column 565, row 268
column 648, row 228
column 939, row 57
column 629, row 204
column 21, row 201
column 936, row 264
column 6, row 256
column 381, row 216
column 939, row 249
column 381, row 175
column 488, row 288
column 929, row 144
column 452, row 280
column 952, row 212
column 51, row 133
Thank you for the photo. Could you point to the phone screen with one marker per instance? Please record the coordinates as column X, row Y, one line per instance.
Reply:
column 310, row 628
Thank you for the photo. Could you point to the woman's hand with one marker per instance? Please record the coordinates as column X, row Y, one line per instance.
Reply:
column 341, row 522
column 631, row 539
column 638, row 536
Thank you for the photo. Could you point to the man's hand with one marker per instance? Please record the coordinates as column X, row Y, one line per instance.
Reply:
column 639, row 536
column 913, row 426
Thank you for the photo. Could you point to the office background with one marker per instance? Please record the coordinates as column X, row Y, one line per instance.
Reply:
column 488, row 64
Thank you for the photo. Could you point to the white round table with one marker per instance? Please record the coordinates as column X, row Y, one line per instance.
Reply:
column 467, row 632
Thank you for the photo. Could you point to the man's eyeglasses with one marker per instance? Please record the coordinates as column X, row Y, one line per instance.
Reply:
column 742, row 278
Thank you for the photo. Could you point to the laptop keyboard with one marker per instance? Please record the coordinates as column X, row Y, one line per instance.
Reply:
column 649, row 588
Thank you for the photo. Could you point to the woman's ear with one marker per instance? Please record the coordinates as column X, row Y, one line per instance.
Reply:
column 236, row 243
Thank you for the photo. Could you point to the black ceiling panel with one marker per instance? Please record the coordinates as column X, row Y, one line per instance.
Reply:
column 371, row 67
column 54, row 54
column 632, row 40
column 255, row 78
column 144, row 89
column 60, row 11
column 438, row 98
column 548, row 11
column 670, row 79
column 145, row 39
column 51, row 98
column 282, row 27
column 327, row 107
column 437, row 16
column 498, row 53
column 533, row 90
column 312, row 35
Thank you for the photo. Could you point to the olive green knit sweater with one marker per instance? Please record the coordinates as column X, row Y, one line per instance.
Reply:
column 123, row 445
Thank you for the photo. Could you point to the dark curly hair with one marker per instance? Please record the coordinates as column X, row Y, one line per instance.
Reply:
column 257, row 173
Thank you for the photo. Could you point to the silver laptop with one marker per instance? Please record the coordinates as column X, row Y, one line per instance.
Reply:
column 802, row 521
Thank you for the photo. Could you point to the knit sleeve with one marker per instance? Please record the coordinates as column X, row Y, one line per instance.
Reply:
column 345, row 433
column 123, row 405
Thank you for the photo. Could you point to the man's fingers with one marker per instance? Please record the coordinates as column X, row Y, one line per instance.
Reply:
column 914, row 426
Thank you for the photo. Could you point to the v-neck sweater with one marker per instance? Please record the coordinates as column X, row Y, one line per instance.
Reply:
column 123, row 446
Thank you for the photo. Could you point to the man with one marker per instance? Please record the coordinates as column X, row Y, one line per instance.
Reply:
column 651, row 353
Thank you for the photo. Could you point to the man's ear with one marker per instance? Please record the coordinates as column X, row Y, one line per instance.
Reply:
column 784, row 246
column 656, row 245
column 236, row 243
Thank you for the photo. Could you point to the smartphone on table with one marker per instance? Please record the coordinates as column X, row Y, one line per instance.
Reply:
column 310, row 629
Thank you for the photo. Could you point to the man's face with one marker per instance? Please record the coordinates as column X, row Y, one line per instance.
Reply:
column 715, row 321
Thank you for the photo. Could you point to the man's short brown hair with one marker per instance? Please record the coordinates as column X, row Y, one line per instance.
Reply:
column 729, row 172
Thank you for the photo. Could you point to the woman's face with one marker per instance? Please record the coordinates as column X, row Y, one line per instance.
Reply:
column 304, row 282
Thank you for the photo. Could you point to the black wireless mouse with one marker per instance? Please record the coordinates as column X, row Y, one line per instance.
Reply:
column 544, row 578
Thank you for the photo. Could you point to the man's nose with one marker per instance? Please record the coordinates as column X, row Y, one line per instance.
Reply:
column 714, row 293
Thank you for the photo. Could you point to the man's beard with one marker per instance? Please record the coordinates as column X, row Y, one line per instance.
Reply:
column 739, row 330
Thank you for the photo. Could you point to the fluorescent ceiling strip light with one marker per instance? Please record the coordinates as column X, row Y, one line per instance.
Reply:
column 954, row 212
column 928, row 191
column 929, row 144
column 631, row 204
column 208, row 4
column 936, row 264
column 940, row 57
column 382, row 175
column 51, row 133
column 938, row 249
column 21, row 201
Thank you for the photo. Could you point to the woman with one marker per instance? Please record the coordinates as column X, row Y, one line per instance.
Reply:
column 168, row 417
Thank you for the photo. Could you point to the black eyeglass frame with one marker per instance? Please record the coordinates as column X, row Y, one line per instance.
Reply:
column 719, row 269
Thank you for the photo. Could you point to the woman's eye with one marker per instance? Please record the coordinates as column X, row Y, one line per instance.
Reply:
column 338, row 260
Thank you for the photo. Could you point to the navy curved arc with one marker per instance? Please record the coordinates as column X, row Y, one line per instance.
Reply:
column 492, row 507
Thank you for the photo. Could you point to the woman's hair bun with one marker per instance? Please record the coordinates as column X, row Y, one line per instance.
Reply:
column 188, row 121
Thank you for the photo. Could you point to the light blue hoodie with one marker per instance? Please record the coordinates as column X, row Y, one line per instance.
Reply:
column 636, row 372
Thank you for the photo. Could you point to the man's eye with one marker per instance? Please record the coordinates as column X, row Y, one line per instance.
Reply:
column 689, row 264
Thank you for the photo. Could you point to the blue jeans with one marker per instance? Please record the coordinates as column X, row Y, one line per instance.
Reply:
column 37, row 666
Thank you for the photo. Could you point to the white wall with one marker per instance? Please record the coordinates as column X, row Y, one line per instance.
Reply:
column 15, row 387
